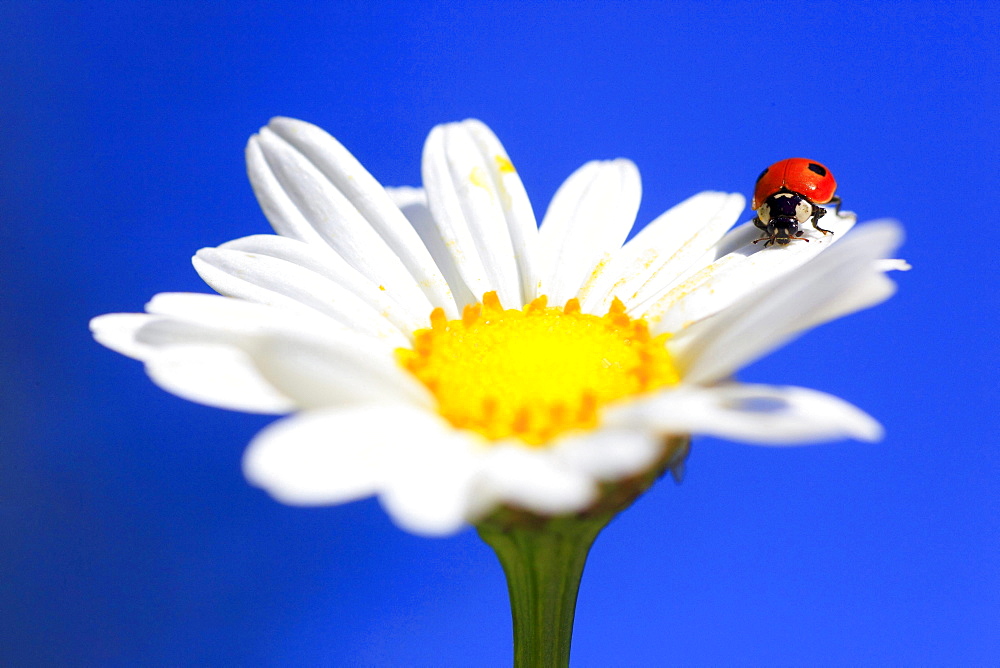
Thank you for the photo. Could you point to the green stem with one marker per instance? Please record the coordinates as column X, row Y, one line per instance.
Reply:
column 543, row 566
column 543, row 559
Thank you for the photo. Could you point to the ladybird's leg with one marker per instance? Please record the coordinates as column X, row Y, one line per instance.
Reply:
column 837, row 203
column 819, row 212
column 759, row 224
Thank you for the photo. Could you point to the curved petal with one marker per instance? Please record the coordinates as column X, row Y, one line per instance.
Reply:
column 413, row 203
column 332, row 456
column 740, row 240
column 118, row 331
column 244, row 356
column 422, row 470
column 279, row 209
column 535, row 480
column 433, row 479
column 894, row 264
column 663, row 250
column 589, row 218
column 324, row 261
column 199, row 361
column 296, row 190
column 609, row 453
column 758, row 414
column 236, row 316
column 336, row 370
column 734, row 276
column 868, row 291
column 717, row 347
column 513, row 202
column 463, row 186
column 215, row 374
column 369, row 198
column 269, row 280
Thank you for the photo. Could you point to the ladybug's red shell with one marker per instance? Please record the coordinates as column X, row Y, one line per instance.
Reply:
column 805, row 177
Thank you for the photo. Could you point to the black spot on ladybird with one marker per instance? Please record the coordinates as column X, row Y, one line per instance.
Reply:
column 762, row 174
column 813, row 167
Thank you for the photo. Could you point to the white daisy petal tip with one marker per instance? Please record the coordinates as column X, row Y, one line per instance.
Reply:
column 893, row 265
column 535, row 480
column 299, row 462
column 833, row 419
column 757, row 414
column 217, row 374
column 426, row 511
column 118, row 331
column 610, row 454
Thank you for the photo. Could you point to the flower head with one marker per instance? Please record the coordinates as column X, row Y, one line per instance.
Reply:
column 439, row 349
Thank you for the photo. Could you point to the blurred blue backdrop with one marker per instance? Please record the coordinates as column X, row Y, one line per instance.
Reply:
column 130, row 536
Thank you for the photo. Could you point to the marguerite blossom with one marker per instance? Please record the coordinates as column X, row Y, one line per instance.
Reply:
column 436, row 347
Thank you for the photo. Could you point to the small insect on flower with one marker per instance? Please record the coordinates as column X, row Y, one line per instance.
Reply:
column 787, row 195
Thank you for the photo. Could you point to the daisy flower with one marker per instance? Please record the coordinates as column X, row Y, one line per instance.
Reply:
column 436, row 347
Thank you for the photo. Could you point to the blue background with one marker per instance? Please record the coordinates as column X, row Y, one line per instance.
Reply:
column 129, row 534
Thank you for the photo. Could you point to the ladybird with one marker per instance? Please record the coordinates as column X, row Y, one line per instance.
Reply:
column 787, row 195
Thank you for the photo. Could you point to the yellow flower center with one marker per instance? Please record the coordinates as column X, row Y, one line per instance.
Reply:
column 538, row 372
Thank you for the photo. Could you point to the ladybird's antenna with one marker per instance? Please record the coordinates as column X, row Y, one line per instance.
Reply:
column 773, row 240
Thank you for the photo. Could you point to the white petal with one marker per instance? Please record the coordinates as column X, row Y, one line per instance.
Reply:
column 117, row 331
column 589, row 218
column 368, row 197
column 463, row 192
column 753, row 413
column 609, row 454
column 236, row 315
column 413, row 203
column 663, row 250
column 331, row 456
column 324, row 261
column 214, row 374
column 740, row 239
column 196, row 361
column 302, row 191
column 279, row 209
column 738, row 274
column 893, row 265
column 431, row 491
column 342, row 369
column 513, row 201
column 222, row 280
column 715, row 348
column 534, row 479
column 866, row 292
column 269, row 280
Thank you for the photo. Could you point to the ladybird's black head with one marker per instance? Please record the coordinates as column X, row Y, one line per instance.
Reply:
column 783, row 230
column 782, row 213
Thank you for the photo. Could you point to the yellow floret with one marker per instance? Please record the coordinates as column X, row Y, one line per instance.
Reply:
column 538, row 372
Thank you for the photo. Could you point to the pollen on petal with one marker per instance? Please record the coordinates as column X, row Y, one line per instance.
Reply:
column 504, row 164
column 478, row 178
column 538, row 372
